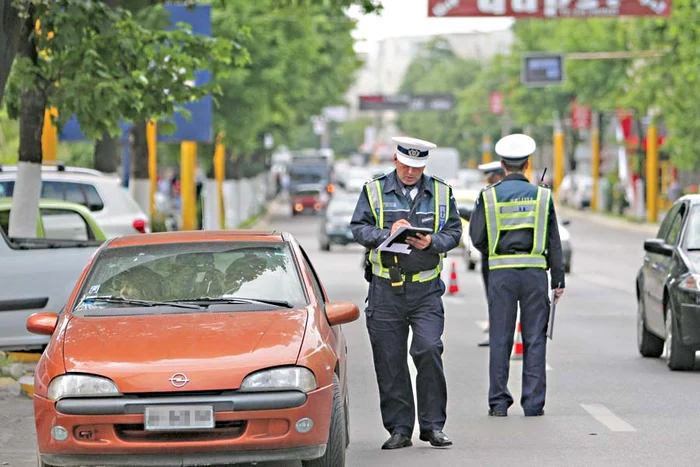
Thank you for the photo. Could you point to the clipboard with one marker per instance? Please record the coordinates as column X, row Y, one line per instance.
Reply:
column 402, row 233
column 552, row 313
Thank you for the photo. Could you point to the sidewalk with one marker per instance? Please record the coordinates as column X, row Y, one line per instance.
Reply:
column 609, row 220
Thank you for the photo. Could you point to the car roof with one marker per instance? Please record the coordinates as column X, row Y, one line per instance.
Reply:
column 194, row 236
column 57, row 167
column 693, row 199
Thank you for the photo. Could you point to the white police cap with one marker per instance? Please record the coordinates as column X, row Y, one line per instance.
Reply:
column 491, row 167
column 411, row 151
column 516, row 147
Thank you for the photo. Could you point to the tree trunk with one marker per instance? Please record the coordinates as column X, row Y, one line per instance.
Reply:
column 25, row 201
column 140, row 184
column 10, row 26
column 106, row 155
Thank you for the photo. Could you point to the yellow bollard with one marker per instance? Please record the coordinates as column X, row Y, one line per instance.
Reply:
column 49, row 136
column 486, row 150
column 595, row 165
column 220, row 174
column 188, row 193
column 652, row 173
column 152, row 142
column 558, row 159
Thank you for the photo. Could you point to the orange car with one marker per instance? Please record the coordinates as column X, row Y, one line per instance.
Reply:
column 194, row 348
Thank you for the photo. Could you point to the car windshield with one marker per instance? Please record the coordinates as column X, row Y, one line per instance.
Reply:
column 181, row 272
column 692, row 233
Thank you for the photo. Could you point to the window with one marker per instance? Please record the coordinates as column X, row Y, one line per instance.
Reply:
column 65, row 225
column 692, row 231
column 675, row 228
column 94, row 202
column 5, row 221
column 74, row 194
column 188, row 271
column 314, row 278
column 666, row 223
column 52, row 190
column 6, row 189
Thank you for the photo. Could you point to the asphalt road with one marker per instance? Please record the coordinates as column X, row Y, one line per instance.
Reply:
column 606, row 405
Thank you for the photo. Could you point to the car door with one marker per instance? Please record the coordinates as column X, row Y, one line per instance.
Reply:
column 660, row 268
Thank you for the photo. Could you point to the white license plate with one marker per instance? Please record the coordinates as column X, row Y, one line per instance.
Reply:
column 179, row 417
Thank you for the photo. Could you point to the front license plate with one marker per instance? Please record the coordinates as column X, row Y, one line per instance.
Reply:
column 179, row 417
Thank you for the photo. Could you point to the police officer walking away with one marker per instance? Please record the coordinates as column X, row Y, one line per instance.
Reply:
column 514, row 225
column 406, row 290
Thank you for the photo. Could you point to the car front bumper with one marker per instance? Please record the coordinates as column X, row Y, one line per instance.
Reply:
column 250, row 427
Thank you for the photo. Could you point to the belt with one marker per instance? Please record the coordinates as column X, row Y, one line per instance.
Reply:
column 407, row 277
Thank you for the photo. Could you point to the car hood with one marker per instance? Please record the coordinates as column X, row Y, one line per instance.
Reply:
column 214, row 350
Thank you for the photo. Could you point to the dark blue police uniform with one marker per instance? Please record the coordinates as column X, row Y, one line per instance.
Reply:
column 418, row 304
column 518, row 275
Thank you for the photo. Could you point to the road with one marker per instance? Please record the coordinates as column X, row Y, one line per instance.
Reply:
column 605, row 404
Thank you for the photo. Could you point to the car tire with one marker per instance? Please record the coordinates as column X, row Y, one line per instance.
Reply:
column 337, row 438
column 679, row 357
column 650, row 345
column 326, row 246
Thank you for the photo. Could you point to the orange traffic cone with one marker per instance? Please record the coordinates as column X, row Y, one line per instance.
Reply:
column 454, row 286
column 518, row 345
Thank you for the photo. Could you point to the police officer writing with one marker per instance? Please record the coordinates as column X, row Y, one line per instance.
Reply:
column 405, row 291
column 514, row 225
column 493, row 172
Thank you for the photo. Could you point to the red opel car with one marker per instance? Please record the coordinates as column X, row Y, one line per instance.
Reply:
column 194, row 348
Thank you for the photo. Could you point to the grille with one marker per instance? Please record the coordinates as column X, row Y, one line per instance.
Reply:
column 222, row 430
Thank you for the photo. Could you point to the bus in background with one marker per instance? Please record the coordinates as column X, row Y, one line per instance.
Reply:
column 444, row 163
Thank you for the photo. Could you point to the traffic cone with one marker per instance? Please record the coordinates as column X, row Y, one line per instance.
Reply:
column 454, row 286
column 517, row 353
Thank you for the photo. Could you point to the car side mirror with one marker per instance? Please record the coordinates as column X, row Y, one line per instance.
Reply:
column 42, row 323
column 341, row 312
column 658, row 246
column 566, row 222
column 465, row 213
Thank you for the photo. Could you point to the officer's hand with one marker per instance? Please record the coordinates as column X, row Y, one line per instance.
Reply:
column 421, row 241
column 557, row 294
column 398, row 224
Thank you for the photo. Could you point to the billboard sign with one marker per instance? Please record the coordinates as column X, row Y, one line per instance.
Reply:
column 548, row 8
column 539, row 70
column 408, row 102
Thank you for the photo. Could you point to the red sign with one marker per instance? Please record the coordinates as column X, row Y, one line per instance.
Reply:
column 580, row 116
column 496, row 103
column 548, row 8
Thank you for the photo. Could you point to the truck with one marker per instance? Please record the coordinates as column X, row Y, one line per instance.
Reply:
column 38, row 274
column 444, row 163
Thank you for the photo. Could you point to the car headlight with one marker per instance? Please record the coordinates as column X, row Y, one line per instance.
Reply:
column 81, row 386
column 690, row 283
column 295, row 377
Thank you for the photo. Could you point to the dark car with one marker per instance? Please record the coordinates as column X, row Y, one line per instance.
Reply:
column 335, row 228
column 668, row 288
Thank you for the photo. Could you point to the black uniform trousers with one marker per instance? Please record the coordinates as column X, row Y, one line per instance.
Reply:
column 507, row 288
column 389, row 317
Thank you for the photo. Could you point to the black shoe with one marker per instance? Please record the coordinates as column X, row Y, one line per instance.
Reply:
column 484, row 343
column 498, row 413
column 436, row 438
column 535, row 414
column 397, row 441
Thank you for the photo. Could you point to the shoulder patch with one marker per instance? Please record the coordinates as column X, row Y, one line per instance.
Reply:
column 380, row 176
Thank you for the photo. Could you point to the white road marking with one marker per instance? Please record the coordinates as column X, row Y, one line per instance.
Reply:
column 607, row 418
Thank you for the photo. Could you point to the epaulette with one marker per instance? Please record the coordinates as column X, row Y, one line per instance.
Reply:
column 439, row 180
column 492, row 185
column 378, row 177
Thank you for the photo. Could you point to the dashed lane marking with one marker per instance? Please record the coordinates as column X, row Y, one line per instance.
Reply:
column 607, row 418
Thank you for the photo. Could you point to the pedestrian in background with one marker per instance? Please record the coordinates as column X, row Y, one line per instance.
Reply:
column 405, row 291
column 514, row 225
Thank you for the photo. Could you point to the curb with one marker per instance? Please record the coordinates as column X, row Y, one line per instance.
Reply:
column 26, row 386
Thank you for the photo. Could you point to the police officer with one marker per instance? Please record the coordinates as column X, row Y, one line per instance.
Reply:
column 493, row 173
column 406, row 290
column 514, row 225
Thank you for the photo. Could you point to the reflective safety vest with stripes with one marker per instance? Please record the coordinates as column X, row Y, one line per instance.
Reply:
column 514, row 215
column 441, row 196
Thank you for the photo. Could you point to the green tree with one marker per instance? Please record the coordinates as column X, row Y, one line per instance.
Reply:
column 102, row 66
column 437, row 69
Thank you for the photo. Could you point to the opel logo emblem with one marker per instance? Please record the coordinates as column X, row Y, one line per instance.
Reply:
column 179, row 380
column 413, row 152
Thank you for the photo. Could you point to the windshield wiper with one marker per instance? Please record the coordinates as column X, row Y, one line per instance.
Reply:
column 136, row 302
column 237, row 301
